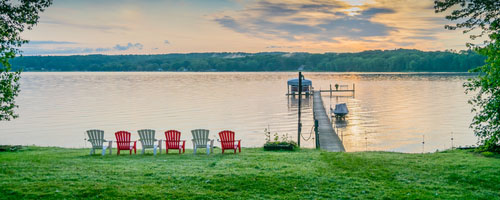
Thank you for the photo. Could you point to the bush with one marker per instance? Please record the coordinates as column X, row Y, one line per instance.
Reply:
column 277, row 144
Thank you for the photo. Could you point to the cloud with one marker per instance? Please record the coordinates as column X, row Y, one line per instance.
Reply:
column 312, row 20
column 45, row 42
column 37, row 50
column 64, row 50
column 166, row 42
column 404, row 44
column 128, row 46
column 421, row 37
column 279, row 47
column 101, row 27
column 371, row 12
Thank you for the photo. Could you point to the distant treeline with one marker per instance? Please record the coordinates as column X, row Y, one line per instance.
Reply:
column 400, row 60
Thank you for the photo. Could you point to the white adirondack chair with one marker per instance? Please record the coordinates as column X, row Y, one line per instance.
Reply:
column 96, row 138
column 147, row 138
column 200, row 140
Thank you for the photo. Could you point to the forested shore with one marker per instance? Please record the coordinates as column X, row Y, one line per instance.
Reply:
column 400, row 60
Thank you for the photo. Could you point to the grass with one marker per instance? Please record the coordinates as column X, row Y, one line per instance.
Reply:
column 58, row 173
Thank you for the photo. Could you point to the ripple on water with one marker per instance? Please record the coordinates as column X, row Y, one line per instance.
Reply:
column 390, row 111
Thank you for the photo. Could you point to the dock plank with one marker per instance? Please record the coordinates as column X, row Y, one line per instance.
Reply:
column 328, row 139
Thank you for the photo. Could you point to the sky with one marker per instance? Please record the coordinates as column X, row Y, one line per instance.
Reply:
column 183, row 26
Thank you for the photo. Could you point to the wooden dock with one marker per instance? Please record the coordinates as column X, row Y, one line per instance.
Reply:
column 337, row 90
column 328, row 139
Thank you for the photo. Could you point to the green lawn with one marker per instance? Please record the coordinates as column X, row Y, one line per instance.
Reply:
column 38, row 172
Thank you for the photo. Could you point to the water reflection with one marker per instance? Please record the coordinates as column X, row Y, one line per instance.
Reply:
column 390, row 112
column 293, row 101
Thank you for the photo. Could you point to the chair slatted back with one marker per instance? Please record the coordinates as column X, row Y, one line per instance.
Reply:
column 147, row 138
column 200, row 137
column 172, row 138
column 227, row 139
column 123, row 140
column 96, row 138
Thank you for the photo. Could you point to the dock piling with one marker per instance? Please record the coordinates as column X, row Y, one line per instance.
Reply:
column 299, row 126
column 316, row 133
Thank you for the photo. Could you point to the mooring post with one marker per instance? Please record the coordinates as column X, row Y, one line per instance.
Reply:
column 423, row 143
column 452, row 146
column 316, row 133
column 300, row 102
column 330, row 90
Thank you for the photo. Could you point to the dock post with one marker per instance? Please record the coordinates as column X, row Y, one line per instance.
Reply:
column 299, row 126
column 316, row 134
column 330, row 90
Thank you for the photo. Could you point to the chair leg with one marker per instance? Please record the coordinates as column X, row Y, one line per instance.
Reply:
column 194, row 150
column 135, row 151
column 118, row 153
column 208, row 150
column 103, row 151
column 154, row 151
column 91, row 151
column 143, row 151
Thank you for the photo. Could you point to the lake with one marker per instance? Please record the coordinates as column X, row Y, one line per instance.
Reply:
column 389, row 112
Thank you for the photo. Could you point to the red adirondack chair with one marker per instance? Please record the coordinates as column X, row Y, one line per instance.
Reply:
column 173, row 141
column 227, row 141
column 123, row 142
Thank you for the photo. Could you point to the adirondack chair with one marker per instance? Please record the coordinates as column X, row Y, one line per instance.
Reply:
column 147, row 138
column 200, row 140
column 173, row 141
column 123, row 142
column 227, row 141
column 96, row 138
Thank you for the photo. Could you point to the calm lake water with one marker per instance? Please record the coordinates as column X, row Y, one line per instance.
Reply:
column 390, row 112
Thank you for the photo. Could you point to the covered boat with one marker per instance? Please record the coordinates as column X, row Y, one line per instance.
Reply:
column 340, row 110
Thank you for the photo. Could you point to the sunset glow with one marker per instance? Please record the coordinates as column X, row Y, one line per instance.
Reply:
column 158, row 27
